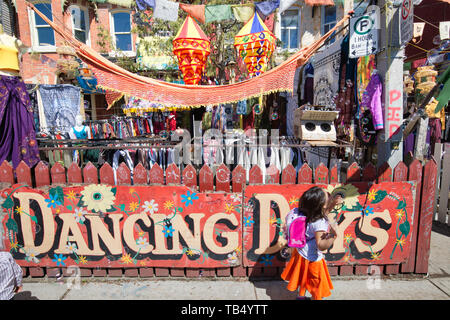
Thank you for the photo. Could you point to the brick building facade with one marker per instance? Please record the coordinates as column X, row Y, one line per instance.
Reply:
column 80, row 17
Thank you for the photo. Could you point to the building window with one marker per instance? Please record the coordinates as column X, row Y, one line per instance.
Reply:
column 290, row 22
column 328, row 21
column 80, row 18
column 43, row 34
column 121, row 30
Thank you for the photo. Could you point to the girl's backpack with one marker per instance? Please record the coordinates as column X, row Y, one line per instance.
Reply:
column 296, row 229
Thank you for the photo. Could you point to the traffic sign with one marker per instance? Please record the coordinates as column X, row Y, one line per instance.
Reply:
column 364, row 30
column 406, row 13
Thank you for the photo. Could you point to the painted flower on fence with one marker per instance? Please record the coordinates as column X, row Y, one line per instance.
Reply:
column 266, row 260
column 150, row 206
column 59, row 259
column 248, row 221
column 52, row 202
column 31, row 255
column 233, row 259
column 98, row 198
column 79, row 215
column 168, row 231
column 367, row 211
column 72, row 247
column 142, row 243
column 188, row 198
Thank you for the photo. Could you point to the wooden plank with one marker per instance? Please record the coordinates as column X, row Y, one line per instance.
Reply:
column 321, row 174
column 272, row 175
column 384, row 173
column 106, row 174
column 369, row 173
column 400, row 172
column 414, row 174
column 255, row 175
column 140, row 175
column 123, row 174
column 23, row 174
column 42, row 174
column 74, row 174
column 173, row 174
column 288, row 175
column 238, row 179
column 305, row 174
column 426, row 217
column 156, row 174
column 353, row 173
column 58, row 174
column 445, row 186
column 6, row 173
column 223, row 175
column 190, row 176
column 334, row 175
column 438, row 150
column 90, row 174
column 206, row 179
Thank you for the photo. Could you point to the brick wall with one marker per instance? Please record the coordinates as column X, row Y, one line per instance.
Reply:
column 33, row 70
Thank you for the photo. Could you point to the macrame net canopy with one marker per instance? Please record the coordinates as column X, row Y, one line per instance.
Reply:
column 116, row 81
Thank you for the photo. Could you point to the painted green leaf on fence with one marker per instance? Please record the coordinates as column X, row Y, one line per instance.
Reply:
column 380, row 195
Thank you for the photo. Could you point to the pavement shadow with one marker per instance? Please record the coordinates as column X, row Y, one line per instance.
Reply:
column 275, row 289
column 441, row 228
column 25, row 295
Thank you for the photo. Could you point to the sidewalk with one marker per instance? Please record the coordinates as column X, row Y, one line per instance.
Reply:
column 435, row 286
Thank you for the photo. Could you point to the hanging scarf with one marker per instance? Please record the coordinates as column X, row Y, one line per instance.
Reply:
column 17, row 133
column 166, row 10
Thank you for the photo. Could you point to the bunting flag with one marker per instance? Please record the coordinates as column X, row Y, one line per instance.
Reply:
column 143, row 4
column 218, row 13
column 166, row 10
column 243, row 12
column 111, row 77
column 191, row 46
column 196, row 11
column 267, row 7
column 286, row 4
column 255, row 43
column 321, row 2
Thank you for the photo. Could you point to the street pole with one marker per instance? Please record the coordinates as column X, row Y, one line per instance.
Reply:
column 390, row 66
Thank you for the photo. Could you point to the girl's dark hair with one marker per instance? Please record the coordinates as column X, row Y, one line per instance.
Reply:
column 311, row 204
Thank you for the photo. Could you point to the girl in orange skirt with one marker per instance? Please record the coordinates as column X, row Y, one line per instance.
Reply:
column 307, row 269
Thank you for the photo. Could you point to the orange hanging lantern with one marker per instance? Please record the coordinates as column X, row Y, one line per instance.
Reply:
column 255, row 44
column 191, row 46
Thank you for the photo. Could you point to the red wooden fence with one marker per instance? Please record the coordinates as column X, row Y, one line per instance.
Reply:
column 224, row 180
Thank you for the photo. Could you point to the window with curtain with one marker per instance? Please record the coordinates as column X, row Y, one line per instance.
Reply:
column 290, row 22
column 328, row 21
column 121, row 27
column 80, row 20
column 44, row 35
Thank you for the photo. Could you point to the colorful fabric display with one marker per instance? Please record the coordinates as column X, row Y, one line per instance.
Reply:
column 61, row 104
column 218, row 13
column 17, row 132
column 372, row 100
column 166, row 10
column 243, row 12
column 143, row 4
column 196, row 11
column 267, row 7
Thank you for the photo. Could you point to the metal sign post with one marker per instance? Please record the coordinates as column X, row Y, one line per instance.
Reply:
column 390, row 66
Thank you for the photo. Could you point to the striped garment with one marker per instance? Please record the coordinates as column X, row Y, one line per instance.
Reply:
column 10, row 276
